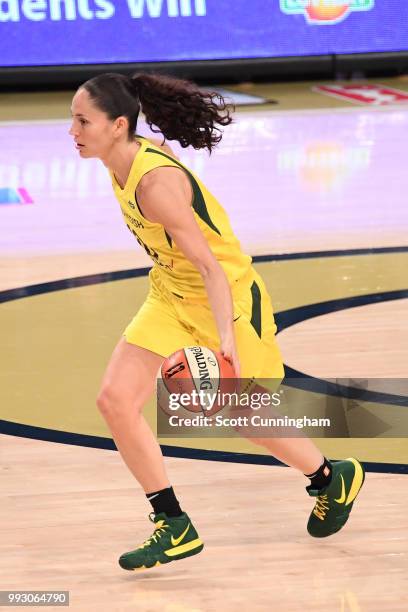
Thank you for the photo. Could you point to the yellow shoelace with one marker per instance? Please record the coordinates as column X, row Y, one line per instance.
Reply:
column 321, row 507
column 160, row 527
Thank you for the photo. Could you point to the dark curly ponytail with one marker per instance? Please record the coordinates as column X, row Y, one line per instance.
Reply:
column 182, row 111
column 176, row 108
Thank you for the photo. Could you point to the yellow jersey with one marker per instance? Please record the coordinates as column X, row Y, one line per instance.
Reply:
column 177, row 274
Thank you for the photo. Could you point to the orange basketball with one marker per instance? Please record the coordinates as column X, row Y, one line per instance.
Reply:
column 203, row 377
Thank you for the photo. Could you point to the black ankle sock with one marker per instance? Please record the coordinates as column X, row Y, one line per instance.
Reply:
column 322, row 477
column 165, row 501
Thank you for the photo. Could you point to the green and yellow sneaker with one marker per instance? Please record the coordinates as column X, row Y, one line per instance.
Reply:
column 173, row 538
column 334, row 502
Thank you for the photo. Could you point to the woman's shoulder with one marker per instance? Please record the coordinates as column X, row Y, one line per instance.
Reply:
column 160, row 145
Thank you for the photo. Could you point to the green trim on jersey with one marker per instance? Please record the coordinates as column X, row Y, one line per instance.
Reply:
column 169, row 240
column 256, row 316
column 199, row 204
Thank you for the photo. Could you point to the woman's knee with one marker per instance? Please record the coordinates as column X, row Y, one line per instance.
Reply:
column 114, row 403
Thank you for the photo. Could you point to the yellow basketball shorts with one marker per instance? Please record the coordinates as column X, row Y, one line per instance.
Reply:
column 166, row 323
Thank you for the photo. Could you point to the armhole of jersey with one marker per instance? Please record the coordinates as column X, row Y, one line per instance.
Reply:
column 164, row 166
column 140, row 210
column 199, row 205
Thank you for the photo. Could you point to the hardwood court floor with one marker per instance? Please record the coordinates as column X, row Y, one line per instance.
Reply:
column 69, row 512
column 294, row 182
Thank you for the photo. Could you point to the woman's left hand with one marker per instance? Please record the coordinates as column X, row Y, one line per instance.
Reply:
column 229, row 352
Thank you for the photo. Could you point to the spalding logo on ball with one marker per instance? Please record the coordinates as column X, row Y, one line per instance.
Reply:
column 197, row 371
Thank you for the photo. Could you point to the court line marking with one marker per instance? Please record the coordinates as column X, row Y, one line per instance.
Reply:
column 61, row 437
column 29, row 431
column 8, row 295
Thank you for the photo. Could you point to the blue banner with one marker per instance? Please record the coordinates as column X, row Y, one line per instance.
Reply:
column 55, row 32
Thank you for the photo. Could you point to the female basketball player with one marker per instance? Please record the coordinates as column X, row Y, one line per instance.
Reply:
column 203, row 291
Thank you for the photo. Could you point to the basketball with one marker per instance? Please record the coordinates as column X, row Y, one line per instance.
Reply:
column 202, row 374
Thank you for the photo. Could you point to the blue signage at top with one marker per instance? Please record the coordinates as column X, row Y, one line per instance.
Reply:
column 55, row 32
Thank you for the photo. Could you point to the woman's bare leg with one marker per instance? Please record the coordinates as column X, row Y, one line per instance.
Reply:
column 297, row 452
column 288, row 444
column 127, row 385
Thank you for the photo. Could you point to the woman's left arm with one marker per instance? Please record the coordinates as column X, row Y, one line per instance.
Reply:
column 165, row 196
